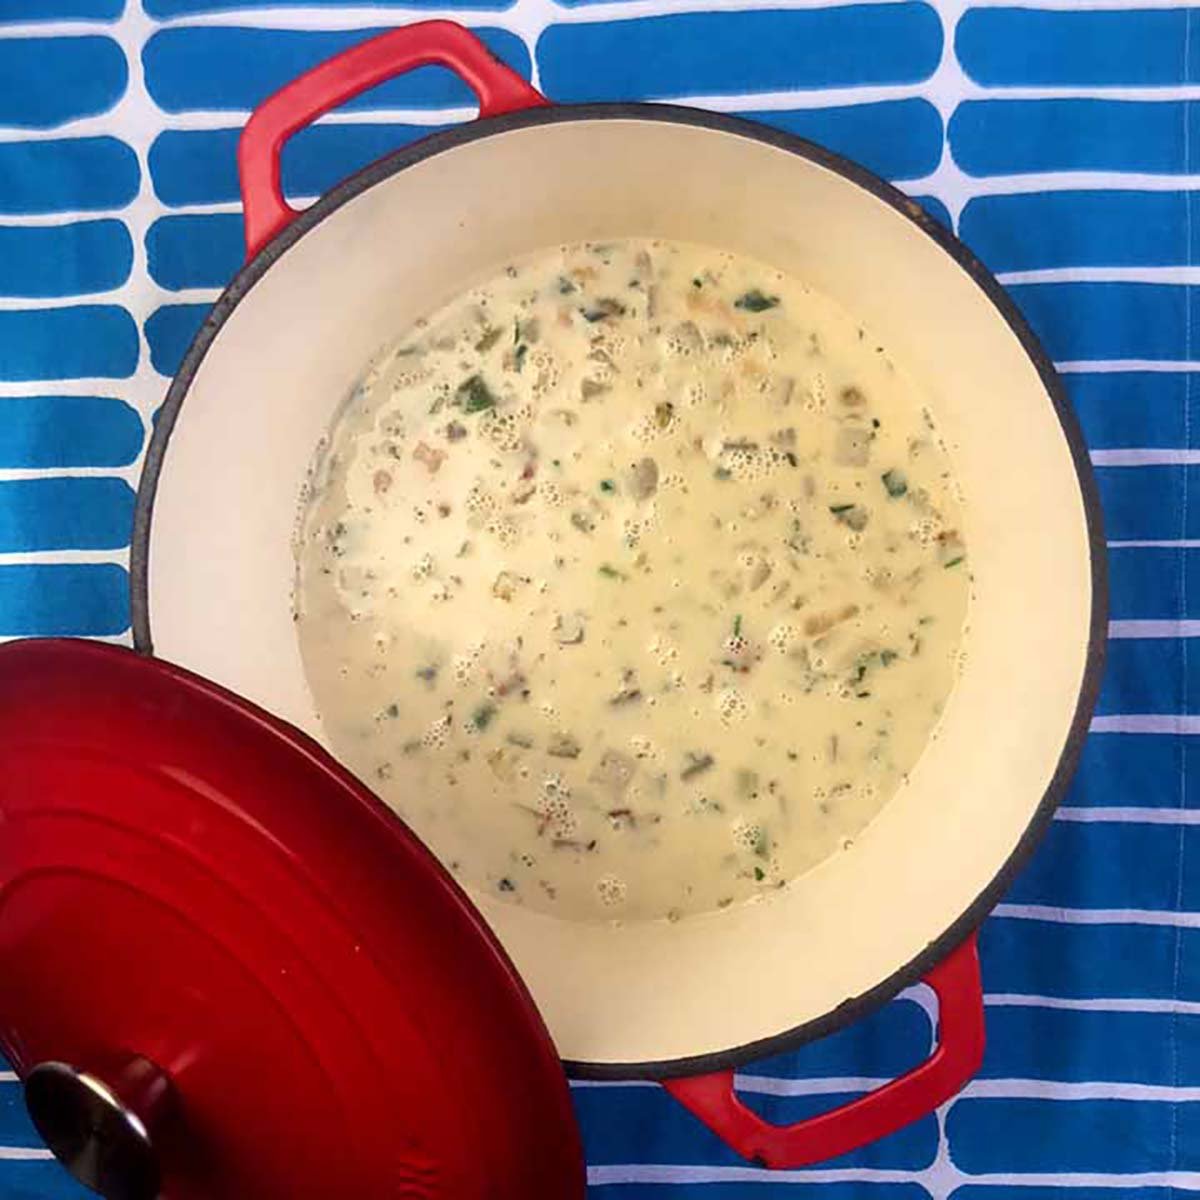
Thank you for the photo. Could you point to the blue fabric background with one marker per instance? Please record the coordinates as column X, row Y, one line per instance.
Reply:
column 1056, row 140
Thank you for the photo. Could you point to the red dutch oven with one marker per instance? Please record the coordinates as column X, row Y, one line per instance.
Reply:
column 212, row 900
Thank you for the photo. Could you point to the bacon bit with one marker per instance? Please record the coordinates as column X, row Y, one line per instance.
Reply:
column 514, row 683
column 543, row 819
column 430, row 458
column 443, row 509
column 530, row 469
column 381, row 481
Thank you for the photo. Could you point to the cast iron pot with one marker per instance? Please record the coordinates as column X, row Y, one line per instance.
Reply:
column 325, row 289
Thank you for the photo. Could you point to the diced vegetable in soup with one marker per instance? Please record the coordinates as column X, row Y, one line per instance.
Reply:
column 633, row 579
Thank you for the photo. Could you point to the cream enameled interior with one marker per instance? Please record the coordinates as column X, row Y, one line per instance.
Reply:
column 221, row 566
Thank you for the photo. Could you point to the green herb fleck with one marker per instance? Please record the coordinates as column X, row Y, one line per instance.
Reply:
column 607, row 485
column 762, row 843
column 697, row 282
column 519, row 355
column 474, row 395
column 954, row 561
column 854, row 516
column 755, row 301
column 609, row 572
column 737, row 625
column 759, row 874
column 887, row 657
column 895, row 483
column 506, row 885
column 481, row 718
column 722, row 473
column 565, row 286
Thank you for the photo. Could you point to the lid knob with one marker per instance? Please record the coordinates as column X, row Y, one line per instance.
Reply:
column 100, row 1127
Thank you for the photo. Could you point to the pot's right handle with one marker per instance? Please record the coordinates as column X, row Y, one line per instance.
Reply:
column 443, row 43
column 957, row 1057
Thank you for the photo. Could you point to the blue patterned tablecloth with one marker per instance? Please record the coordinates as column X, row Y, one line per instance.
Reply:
column 1056, row 140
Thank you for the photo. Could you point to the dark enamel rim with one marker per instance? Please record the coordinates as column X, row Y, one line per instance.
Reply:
column 859, row 1006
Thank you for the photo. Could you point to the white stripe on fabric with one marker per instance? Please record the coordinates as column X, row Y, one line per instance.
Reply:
column 585, row 1084
column 670, row 1173
column 652, row 1173
column 1130, row 815
column 1124, row 366
column 110, row 295
column 20, row 557
column 1048, row 1089
column 111, row 639
column 1135, row 456
column 1156, row 544
column 994, row 1089
column 1153, row 629
column 1178, row 723
column 89, row 385
column 1175, row 274
column 128, row 473
column 770, row 1085
column 1097, row 916
column 70, row 216
column 1137, row 1004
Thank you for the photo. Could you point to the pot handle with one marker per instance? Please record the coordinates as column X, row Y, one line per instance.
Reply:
column 958, row 1055
column 498, row 88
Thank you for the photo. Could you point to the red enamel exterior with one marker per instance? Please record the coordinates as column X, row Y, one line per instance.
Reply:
column 498, row 88
column 914, row 1095
column 184, row 878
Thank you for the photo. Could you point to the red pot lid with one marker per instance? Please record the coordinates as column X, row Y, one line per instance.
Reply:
column 239, row 975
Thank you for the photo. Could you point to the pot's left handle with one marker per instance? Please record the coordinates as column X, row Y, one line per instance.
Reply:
column 498, row 88
column 958, row 1056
